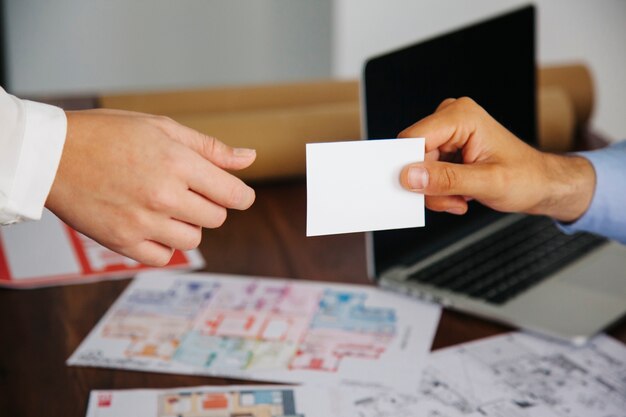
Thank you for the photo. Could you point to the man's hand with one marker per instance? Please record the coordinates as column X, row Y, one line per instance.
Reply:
column 469, row 155
column 144, row 185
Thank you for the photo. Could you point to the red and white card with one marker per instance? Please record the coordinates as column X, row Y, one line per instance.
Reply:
column 48, row 252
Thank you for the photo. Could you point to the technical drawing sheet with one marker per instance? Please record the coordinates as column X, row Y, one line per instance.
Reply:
column 287, row 331
column 226, row 401
column 49, row 252
column 514, row 375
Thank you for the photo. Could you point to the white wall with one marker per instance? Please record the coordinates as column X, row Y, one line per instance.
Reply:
column 85, row 46
column 569, row 30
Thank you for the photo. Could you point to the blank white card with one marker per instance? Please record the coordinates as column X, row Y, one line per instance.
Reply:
column 355, row 186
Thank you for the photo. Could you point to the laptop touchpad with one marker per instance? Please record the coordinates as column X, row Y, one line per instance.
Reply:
column 602, row 271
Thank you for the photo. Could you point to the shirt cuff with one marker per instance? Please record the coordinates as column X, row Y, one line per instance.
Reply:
column 45, row 128
column 605, row 213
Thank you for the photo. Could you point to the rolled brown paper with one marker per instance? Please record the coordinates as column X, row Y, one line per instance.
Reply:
column 556, row 119
column 279, row 135
column 278, row 120
column 577, row 82
column 234, row 99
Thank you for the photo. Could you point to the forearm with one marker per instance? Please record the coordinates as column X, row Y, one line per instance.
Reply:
column 568, row 188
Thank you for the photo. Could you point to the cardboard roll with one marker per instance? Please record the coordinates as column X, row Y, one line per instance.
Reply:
column 278, row 120
column 556, row 120
column 577, row 83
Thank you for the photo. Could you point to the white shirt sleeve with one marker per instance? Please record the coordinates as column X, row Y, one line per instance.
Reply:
column 32, row 136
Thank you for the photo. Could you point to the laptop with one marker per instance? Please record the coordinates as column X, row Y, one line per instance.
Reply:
column 516, row 269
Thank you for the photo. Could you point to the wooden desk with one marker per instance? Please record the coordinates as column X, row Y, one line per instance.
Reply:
column 39, row 329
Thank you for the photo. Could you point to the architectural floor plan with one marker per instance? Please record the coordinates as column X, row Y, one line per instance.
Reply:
column 229, row 401
column 266, row 329
column 514, row 375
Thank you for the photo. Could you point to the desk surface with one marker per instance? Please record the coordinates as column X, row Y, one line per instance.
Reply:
column 39, row 329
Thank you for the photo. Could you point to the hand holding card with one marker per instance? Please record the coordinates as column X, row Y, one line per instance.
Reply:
column 355, row 186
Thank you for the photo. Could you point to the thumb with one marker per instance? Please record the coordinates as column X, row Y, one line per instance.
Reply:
column 445, row 178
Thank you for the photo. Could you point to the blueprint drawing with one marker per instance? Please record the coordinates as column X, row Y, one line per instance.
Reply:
column 514, row 375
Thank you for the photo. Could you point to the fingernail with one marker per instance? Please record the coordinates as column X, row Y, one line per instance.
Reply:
column 244, row 152
column 417, row 178
column 456, row 210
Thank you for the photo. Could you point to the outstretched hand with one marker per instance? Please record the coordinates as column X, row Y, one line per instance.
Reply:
column 469, row 155
column 145, row 185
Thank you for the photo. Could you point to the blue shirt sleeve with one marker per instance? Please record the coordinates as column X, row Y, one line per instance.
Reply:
column 606, row 214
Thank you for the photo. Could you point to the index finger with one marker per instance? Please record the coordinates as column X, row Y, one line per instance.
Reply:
column 210, row 148
column 448, row 129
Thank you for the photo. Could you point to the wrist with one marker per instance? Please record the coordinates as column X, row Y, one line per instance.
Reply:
column 569, row 186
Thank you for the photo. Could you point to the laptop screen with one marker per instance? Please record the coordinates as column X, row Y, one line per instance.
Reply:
column 492, row 62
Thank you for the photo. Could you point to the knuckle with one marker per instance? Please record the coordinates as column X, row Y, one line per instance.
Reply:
column 445, row 103
column 468, row 107
column 235, row 197
column 163, row 121
column 122, row 237
column 447, row 179
column 162, row 124
column 466, row 102
column 174, row 161
column 161, row 199
column 165, row 125
column 136, row 221
column 209, row 145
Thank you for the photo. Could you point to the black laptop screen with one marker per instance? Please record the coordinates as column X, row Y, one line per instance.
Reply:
column 494, row 63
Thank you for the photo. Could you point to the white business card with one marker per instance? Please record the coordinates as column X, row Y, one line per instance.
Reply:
column 355, row 186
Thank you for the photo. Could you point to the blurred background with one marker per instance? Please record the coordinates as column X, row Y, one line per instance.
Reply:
column 81, row 47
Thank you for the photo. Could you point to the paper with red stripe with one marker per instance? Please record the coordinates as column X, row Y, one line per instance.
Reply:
column 48, row 252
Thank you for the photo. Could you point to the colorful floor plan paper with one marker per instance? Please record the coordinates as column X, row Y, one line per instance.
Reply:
column 513, row 375
column 228, row 401
column 284, row 331
column 48, row 252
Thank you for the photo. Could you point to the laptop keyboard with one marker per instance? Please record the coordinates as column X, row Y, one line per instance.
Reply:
column 502, row 265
